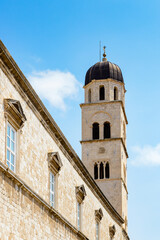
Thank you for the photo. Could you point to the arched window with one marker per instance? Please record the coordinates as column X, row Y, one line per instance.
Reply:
column 95, row 131
column 101, row 93
column 89, row 95
column 107, row 130
column 95, row 171
column 101, row 169
column 107, row 170
column 115, row 93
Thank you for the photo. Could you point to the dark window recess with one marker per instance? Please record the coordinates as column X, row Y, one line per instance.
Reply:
column 89, row 95
column 95, row 171
column 101, row 93
column 101, row 170
column 95, row 131
column 115, row 94
column 107, row 130
column 107, row 170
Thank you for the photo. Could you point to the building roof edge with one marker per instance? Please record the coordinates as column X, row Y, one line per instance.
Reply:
column 24, row 84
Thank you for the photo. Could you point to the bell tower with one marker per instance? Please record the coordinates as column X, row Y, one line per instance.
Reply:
column 104, row 122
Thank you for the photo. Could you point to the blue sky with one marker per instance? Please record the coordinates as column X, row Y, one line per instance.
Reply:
column 53, row 40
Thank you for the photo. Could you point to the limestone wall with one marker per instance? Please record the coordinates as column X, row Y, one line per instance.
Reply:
column 109, row 90
column 21, row 218
column 112, row 150
column 101, row 113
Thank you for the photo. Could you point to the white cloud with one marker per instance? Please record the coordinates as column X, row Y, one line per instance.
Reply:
column 147, row 155
column 55, row 86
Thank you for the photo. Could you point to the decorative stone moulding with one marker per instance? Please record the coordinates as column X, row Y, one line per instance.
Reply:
column 54, row 162
column 112, row 231
column 14, row 112
column 80, row 193
column 101, row 150
column 98, row 215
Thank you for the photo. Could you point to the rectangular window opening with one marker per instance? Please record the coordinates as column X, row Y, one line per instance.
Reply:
column 78, row 215
column 11, row 147
column 97, row 231
column 52, row 189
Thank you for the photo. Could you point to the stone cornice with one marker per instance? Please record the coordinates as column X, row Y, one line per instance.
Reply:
column 98, row 215
column 104, row 103
column 22, row 85
column 80, row 193
column 13, row 109
column 54, row 162
column 11, row 175
column 107, row 140
column 125, row 234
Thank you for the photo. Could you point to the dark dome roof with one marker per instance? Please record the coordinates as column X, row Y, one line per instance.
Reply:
column 103, row 70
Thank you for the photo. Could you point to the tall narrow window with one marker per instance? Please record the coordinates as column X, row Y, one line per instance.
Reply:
column 101, row 93
column 115, row 93
column 107, row 131
column 101, row 170
column 52, row 189
column 11, row 147
column 98, row 218
column 89, row 95
column 80, row 196
column 54, row 164
column 95, row 131
column 95, row 171
column 97, row 230
column 107, row 170
column 78, row 215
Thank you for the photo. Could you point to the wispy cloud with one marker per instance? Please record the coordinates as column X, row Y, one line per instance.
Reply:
column 147, row 155
column 36, row 59
column 55, row 86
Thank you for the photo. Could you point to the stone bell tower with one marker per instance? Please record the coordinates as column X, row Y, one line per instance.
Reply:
column 104, row 122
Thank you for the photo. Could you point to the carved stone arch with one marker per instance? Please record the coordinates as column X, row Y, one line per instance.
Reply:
column 98, row 215
column 101, row 92
column 54, row 162
column 106, row 130
column 80, row 193
column 116, row 93
column 14, row 111
column 107, row 170
column 95, row 170
column 101, row 170
column 95, row 130
column 100, row 117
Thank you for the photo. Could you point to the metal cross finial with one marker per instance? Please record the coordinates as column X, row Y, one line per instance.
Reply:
column 104, row 54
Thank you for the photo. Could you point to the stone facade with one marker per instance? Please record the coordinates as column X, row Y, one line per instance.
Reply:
column 41, row 148
column 112, row 150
